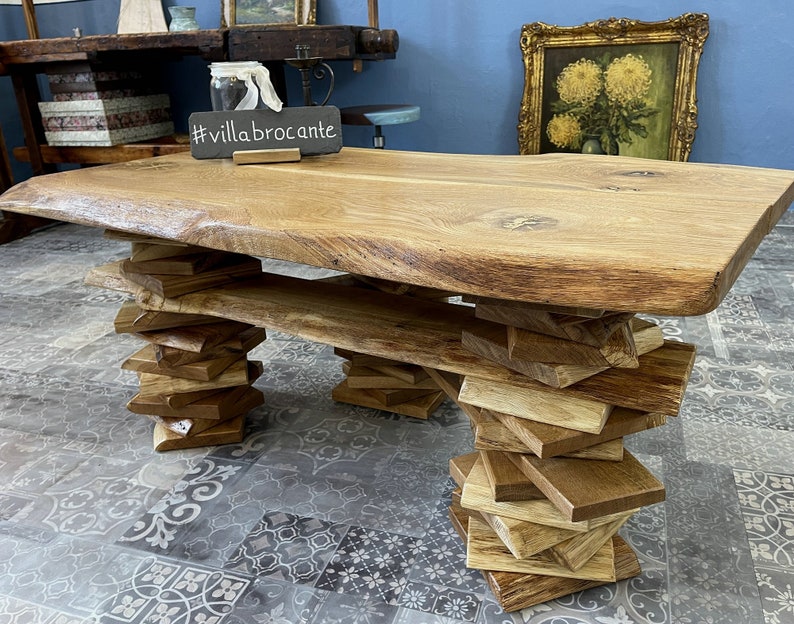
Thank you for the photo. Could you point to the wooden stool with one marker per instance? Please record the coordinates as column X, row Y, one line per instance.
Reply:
column 379, row 115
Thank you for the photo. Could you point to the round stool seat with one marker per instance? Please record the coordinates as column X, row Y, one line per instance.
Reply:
column 379, row 114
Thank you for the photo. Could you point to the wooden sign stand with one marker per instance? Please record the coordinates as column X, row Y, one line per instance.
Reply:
column 257, row 157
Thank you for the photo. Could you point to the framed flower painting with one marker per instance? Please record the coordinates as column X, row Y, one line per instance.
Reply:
column 615, row 86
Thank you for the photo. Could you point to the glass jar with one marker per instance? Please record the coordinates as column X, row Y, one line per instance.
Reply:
column 241, row 85
column 182, row 18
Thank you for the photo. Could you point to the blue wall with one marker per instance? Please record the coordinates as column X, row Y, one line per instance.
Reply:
column 460, row 62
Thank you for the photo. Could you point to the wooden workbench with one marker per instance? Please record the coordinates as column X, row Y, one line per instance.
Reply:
column 555, row 252
column 24, row 60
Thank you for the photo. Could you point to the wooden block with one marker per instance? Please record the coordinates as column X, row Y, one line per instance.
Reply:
column 411, row 290
column 362, row 359
column 618, row 351
column 647, row 336
column 491, row 340
column 507, row 482
column 263, row 156
column 492, row 435
column 175, row 285
column 399, row 288
column 404, row 372
column 155, row 384
column 220, row 405
column 526, row 539
column 192, row 426
column 606, row 451
column 365, row 377
column 131, row 318
column 145, row 361
column 460, row 467
column 572, row 311
column 539, row 405
column 423, row 407
column 546, row 440
column 477, row 496
column 485, row 551
column 183, row 399
column 183, row 265
column 516, row 591
column 450, row 383
column 586, row 489
column 140, row 252
column 227, row 432
column 594, row 331
column 198, row 339
column 576, row 551
column 239, row 344
column 656, row 386
column 395, row 396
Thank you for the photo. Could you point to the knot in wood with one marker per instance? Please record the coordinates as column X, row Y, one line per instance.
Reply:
column 527, row 222
column 644, row 174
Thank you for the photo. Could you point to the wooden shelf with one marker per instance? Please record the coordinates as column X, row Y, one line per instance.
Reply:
column 263, row 43
column 23, row 59
column 102, row 155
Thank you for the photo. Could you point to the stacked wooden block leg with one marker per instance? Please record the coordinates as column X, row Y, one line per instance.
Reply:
column 383, row 383
column 541, row 501
column 194, row 374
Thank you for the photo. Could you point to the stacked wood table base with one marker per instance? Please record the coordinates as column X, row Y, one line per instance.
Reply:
column 195, row 378
column 549, row 404
column 541, row 501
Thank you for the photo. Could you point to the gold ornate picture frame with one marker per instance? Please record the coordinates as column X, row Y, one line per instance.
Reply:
column 262, row 12
column 628, row 84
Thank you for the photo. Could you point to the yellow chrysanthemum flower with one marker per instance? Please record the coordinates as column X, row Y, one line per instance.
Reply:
column 627, row 79
column 564, row 131
column 580, row 82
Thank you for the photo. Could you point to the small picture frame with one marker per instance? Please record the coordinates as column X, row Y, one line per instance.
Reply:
column 266, row 12
column 624, row 86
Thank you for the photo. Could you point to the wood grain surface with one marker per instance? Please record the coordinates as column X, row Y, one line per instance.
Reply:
column 611, row 233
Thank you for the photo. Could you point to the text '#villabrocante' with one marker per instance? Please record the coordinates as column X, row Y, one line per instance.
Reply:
column 229, row 132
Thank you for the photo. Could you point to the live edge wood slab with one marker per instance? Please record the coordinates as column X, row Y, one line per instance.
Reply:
column 617, row 234
column 553, row 255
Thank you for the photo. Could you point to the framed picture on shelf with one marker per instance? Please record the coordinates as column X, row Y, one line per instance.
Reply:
column 615, row 86
column 240, row 12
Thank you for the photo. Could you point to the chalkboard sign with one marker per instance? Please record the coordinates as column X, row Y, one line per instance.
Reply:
column 312, row 129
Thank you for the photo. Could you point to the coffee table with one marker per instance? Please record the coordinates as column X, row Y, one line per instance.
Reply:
column 509, row 284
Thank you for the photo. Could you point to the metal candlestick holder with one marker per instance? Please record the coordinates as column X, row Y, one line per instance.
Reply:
column 310, row 66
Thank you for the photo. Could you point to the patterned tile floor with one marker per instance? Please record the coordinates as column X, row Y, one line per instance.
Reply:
column 328, row 513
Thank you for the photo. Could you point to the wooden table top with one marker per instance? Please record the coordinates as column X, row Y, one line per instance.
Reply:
column 598, row 231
